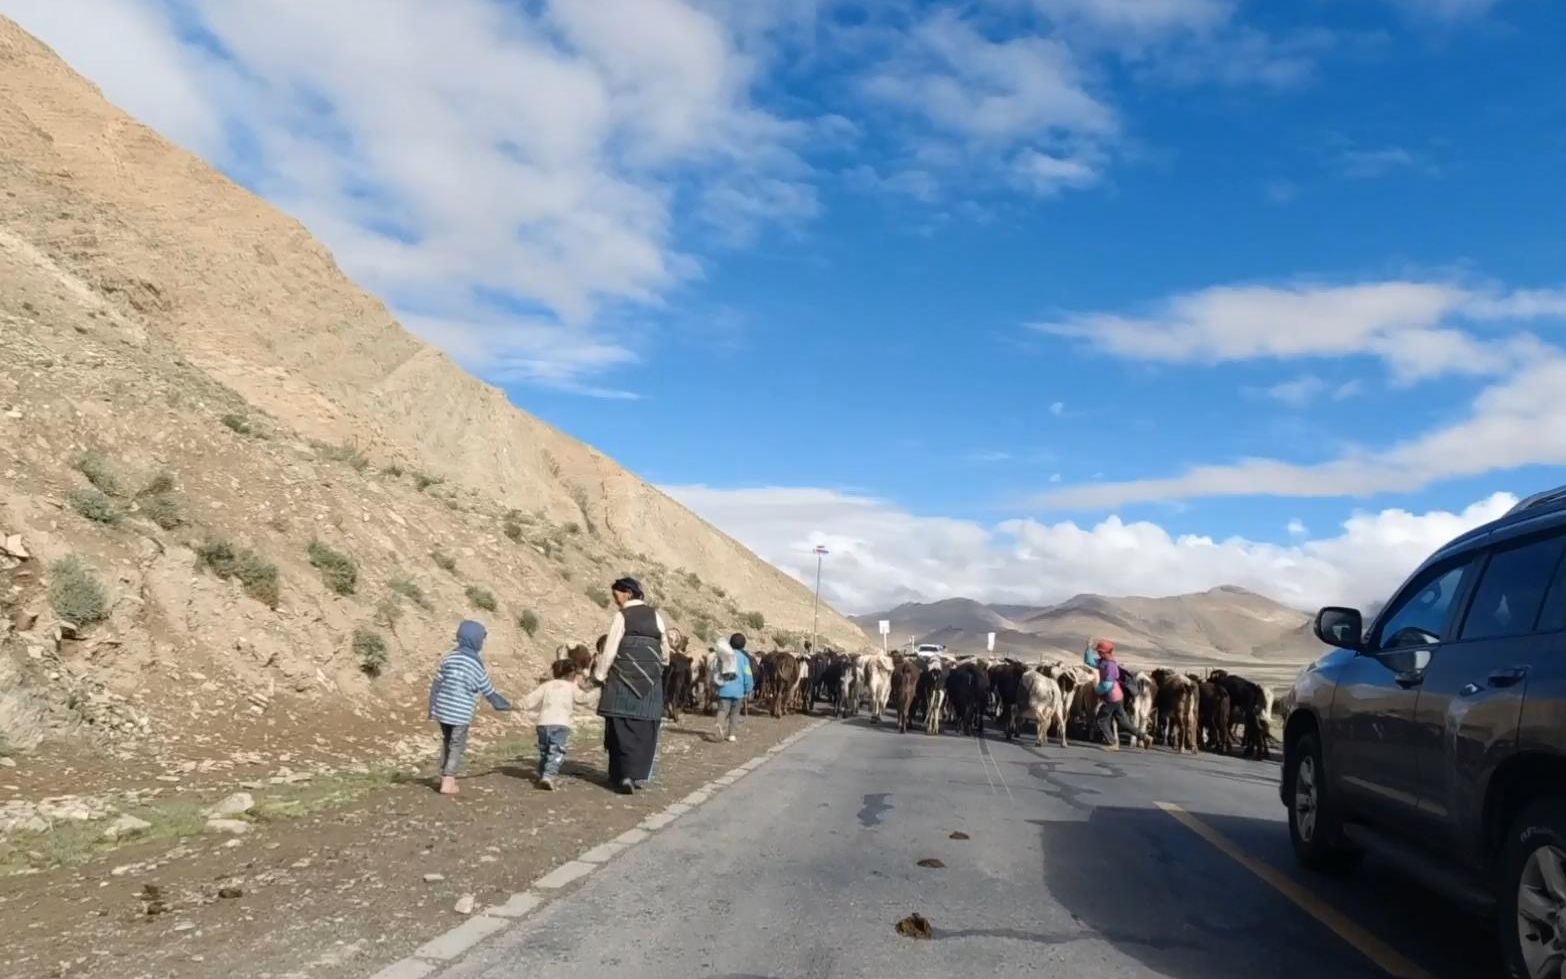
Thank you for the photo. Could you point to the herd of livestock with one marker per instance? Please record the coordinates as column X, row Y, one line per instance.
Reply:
column 1185, row 711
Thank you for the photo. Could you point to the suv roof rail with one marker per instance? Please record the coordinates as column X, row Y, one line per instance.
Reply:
column 1537, row 500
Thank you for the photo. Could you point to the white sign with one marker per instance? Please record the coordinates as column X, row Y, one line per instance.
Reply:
column 886, row 627
column 989, row 642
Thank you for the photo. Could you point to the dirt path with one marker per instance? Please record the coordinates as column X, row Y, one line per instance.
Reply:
column 344, row 890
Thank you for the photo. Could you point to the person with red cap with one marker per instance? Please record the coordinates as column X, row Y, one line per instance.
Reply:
column 1101, row 657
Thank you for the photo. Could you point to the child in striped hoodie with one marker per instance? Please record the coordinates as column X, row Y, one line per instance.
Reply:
column 461, row 677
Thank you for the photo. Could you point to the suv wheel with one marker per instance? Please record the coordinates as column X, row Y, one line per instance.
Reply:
column 1314, row 828
column 1532, row 903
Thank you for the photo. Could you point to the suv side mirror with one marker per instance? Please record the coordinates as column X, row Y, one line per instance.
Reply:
column 1341, row 627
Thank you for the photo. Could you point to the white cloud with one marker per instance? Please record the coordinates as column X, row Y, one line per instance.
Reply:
column 516, row 165
column 1307, row 389
column 1516, row 422
column 1297, row 528
column 1139, row 20
column 1058, row 409
column 882, row 554
column 1445, row 10
column 1362, row 164
column 1405, row 323
column 1017, row 106
column 997, row 92
column 1419, row 329
column 1299, row 392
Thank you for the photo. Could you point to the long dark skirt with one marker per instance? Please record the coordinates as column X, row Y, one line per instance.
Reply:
column 630, row 742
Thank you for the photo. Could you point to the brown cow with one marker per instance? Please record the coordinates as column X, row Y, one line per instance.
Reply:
column 677, row 684
column 905, row 683
column 781, row 673
column 1177, row 705
column 1213, row 717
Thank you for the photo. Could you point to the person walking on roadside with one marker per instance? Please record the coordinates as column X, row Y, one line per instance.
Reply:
column 730, row 669
column 745, row 656
column 461, row 677
column 1112, row 709
column 631, row 674
column 551, row 704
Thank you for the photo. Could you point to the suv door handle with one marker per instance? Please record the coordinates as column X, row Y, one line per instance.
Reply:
column 1507, row 677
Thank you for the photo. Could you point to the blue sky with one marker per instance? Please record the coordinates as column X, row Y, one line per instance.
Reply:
column 1009, row 298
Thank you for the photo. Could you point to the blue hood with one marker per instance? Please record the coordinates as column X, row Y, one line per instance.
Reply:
column 470, row 638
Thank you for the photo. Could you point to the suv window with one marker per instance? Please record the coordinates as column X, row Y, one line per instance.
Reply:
column 1420, row 615
column 1552, row 618
column 1508, row 598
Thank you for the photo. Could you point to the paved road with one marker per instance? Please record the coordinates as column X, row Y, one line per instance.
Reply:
column 1072, row 870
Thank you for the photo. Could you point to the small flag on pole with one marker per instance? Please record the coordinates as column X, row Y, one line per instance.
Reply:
column 821, row 550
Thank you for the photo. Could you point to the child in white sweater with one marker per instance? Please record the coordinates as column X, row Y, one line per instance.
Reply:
column 551, row 705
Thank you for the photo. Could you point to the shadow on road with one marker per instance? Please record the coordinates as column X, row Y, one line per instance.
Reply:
column 1139, row 880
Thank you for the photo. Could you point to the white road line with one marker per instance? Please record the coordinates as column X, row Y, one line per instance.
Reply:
column 998, row 772
column 979, row 747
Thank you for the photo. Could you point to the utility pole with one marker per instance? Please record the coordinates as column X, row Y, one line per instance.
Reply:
column 815, row 611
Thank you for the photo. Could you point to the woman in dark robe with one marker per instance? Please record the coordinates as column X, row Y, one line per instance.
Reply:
column 631, row 673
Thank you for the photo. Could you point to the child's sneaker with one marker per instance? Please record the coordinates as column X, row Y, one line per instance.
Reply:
column 733, row 738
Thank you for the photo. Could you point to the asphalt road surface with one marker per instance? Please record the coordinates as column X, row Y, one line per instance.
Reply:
column 1080, row 864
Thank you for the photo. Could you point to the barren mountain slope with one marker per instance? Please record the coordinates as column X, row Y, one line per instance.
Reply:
column 923, row 618
column 268, row 476
column 1224, row 624
column 244, row 292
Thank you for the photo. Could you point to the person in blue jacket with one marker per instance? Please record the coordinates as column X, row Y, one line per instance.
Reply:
column 729, row 667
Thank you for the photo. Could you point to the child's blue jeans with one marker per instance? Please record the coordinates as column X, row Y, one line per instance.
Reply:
column 552, row 740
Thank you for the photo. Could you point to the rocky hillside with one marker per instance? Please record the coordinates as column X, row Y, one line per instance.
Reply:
column 1224, row 624
column 245, row 508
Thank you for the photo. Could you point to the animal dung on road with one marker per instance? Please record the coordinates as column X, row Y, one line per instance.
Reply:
column 959, row 835
column 915, row 926
column 230, row 893
column 932, row 863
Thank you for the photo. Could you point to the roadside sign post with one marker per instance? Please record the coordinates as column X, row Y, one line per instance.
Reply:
column 886, row 630
column 989, row 642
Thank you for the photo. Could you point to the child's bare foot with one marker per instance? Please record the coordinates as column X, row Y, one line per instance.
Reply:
column 547, row 784
column 448, row 785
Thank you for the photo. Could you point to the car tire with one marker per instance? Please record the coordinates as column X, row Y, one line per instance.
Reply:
column 1315, row 829
column 1536, row 836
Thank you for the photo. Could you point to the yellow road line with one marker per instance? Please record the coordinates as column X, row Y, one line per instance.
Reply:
column 1389, row 959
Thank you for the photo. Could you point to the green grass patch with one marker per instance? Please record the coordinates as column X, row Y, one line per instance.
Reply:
column 529, row 622
column 444, row 561
column 481, row 598
column 99, row 472
column 259, row 576
column 95, row 505
column 370, row 649
column 162, row 509
column 161, row 484
column 345, row 453
column 71, row 844
column 338, row 570
column 702, row 629
column 238, row 424
column 75, row 593
column 388, row 612
column 409, row 589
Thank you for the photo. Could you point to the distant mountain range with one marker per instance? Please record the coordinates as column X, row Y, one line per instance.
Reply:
column 1226, row 624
